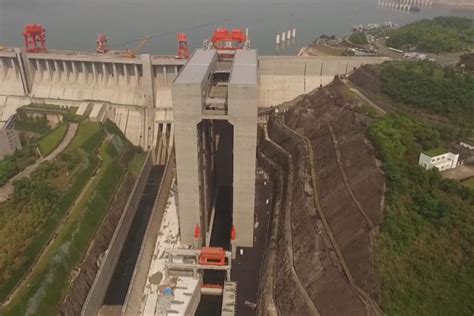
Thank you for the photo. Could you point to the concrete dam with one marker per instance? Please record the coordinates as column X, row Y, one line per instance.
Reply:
column 135, row 93
column 197, row 118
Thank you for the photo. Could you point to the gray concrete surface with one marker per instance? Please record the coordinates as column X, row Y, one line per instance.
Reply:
column 283, row 78
column 7, row 190
column 104, row 275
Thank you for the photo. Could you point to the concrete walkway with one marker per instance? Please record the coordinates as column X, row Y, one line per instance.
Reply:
column 7, row 190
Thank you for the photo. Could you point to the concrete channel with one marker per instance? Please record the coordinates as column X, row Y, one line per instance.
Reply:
column 117, row 276
column 118, row 287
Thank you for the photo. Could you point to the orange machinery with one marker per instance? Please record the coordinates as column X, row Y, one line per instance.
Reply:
column 213, row 256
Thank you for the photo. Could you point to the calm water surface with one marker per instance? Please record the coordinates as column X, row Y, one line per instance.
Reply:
column 74, row 24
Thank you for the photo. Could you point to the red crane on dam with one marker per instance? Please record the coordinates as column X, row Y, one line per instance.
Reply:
column 102, row 46
column 35, row 38
column 183, row 49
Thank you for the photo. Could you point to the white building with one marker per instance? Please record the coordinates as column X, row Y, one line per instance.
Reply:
column 438, row 158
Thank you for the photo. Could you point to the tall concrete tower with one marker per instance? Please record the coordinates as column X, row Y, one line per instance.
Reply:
column 215, row 116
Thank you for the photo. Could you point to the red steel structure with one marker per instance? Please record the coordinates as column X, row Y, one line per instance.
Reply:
column 35, row 38
column 101, row 41
column 214, row 256
column 223, row 39
column 183, row 49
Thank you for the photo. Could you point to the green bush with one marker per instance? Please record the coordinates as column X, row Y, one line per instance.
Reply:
column 50, row 141
column 429, row 87
column 358, row 38
column 442, row 34
column 425, row 249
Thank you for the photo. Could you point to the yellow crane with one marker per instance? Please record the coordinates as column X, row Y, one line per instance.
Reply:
column 134, row 52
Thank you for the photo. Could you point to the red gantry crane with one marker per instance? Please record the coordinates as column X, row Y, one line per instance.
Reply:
column 35, row 38
column 226, row 42
column 183, row 49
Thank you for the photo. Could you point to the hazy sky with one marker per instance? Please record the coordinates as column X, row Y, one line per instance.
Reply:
column 74, row 24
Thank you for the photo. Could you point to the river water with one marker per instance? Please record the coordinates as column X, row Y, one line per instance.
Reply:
column 74, row 24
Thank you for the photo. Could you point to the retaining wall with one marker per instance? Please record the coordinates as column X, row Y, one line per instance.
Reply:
column 99, row 288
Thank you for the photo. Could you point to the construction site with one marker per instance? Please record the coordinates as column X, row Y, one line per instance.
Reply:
column 259, row 194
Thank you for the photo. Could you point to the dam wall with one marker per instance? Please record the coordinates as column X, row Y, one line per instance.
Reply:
column 135, row 93
column 283, row 78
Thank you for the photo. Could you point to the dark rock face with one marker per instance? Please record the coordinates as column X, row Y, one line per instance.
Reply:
column 328, row 205
column 82, row 282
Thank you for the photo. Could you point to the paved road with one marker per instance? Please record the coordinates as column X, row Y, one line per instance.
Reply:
column 7, row 190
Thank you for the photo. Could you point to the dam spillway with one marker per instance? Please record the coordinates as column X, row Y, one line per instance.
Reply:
column 135, row 93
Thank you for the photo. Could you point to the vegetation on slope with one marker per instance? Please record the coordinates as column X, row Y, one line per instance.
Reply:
column 52, row 275
column 358, row 38
column 50, row 141
column 431, row 88
column 467, row 62
column 36, row 125
column 11, row 165
column 442, row 34
column 425, row 250
column 30, row 217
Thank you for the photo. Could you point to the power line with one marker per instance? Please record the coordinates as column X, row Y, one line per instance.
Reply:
column 127, row 43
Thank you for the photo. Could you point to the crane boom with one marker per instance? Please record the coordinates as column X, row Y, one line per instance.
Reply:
column 134, row 52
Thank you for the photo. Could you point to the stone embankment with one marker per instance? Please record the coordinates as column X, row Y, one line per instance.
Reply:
column 328, row 205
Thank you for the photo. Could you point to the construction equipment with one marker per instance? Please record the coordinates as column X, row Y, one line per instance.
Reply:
column 101, row 42
column 35, row 38
column 183, row 49
column 226, row 42
column 134, row 52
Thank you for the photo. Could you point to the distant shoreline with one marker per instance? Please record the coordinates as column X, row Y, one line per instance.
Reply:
column 456, row 4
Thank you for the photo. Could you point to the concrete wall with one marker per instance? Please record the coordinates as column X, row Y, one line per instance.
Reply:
column 243, row 94
column 283, row 78
column 188, row 93
column 72, row 78
column 99, row 288
column 139, row 278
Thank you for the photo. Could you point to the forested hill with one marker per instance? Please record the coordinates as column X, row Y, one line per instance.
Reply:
column 428, row 86
column 439, row 35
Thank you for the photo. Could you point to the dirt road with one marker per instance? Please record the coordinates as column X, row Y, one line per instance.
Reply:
column 7, row 190
column 362, row 96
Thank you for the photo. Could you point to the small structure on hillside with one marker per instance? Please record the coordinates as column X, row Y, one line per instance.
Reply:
column 438, row 158
column 9, row 142
column 467, row 143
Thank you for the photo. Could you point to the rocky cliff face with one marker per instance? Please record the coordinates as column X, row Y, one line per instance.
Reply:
column 328, row 206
